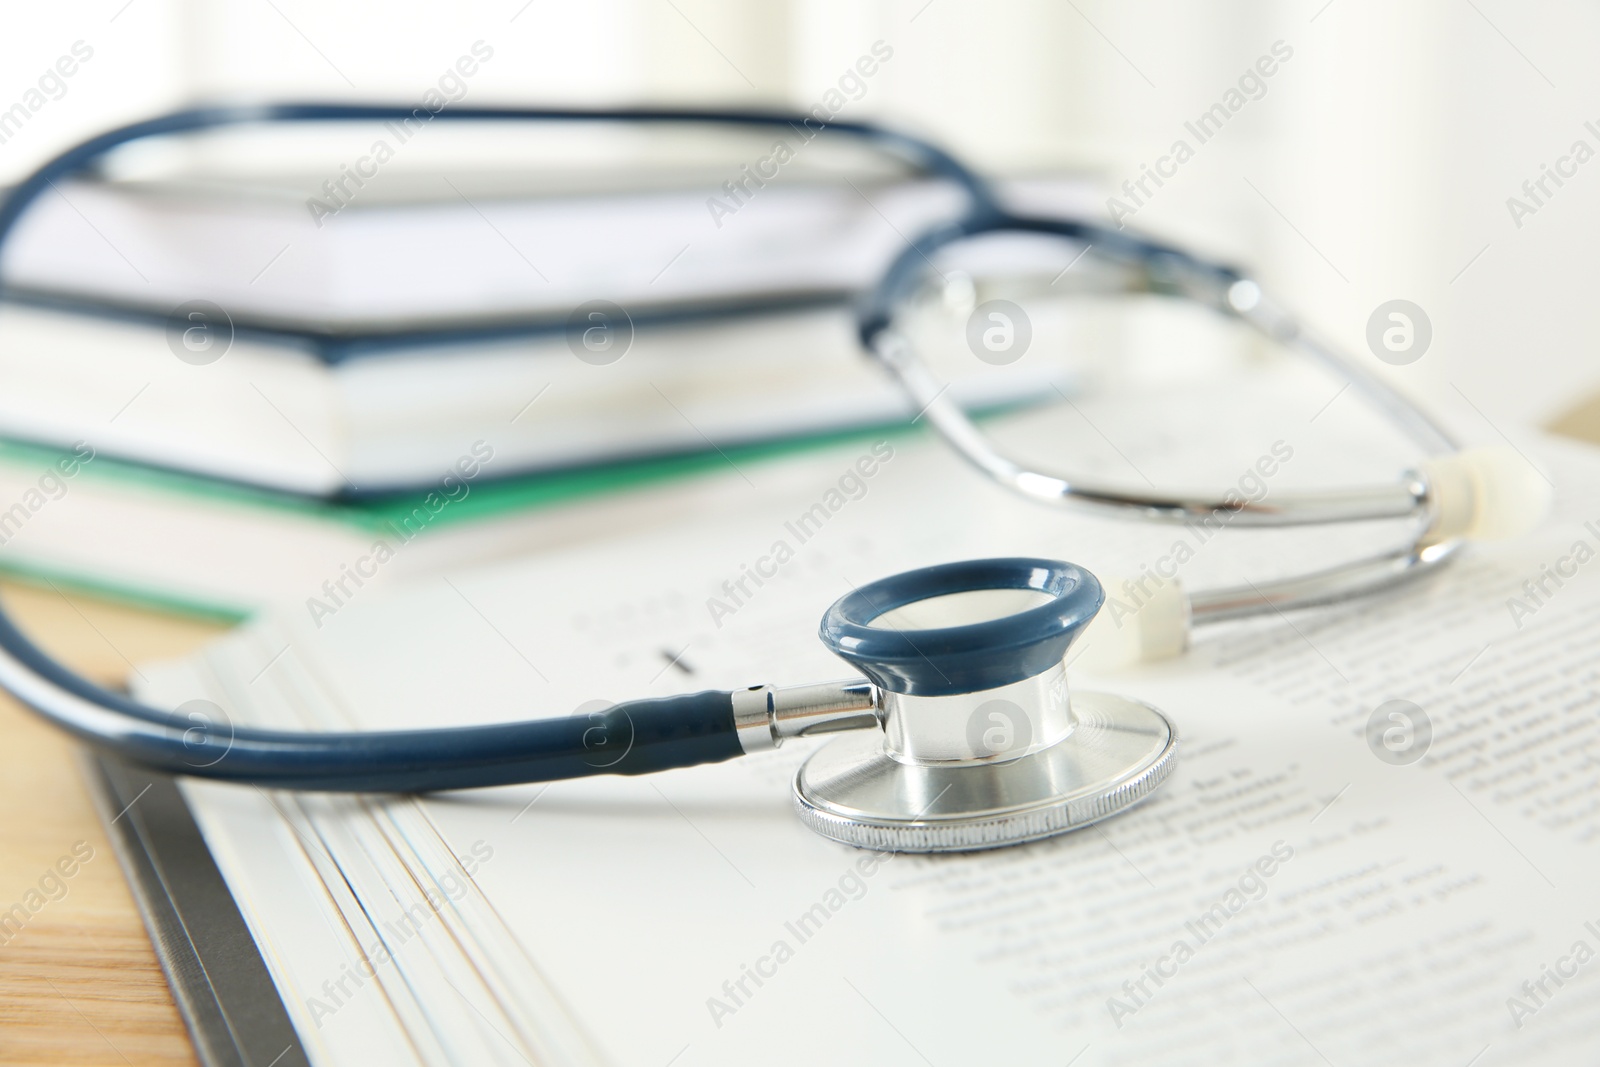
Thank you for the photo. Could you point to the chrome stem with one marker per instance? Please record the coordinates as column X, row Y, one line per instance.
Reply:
column 766, row 716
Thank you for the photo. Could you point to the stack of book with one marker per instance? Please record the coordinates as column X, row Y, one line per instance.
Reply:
column 214, row 397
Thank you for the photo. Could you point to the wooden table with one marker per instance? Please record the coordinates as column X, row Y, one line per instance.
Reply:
column 79, row 983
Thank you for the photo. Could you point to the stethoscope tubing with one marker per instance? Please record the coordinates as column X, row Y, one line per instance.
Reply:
column 636, row 737
column 80, row 157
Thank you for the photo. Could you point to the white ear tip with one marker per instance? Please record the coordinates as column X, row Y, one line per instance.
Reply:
column 1486, row 494
column 1137, row 624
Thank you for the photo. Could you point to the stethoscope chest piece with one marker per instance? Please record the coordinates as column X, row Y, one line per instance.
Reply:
column 982, row 745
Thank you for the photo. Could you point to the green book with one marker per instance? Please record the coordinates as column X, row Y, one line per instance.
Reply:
column 215, row 549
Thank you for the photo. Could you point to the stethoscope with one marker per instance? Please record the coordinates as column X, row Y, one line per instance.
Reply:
column 963, row 734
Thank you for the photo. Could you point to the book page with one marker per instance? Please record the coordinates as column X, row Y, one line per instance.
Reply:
column 1306, row 888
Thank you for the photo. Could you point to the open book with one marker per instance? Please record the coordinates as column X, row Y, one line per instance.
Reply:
column 1288, row 896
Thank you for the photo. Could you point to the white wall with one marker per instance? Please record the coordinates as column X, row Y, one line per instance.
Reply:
column 1377, row 165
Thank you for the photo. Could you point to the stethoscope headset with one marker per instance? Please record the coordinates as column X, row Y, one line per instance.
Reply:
column 962, row 733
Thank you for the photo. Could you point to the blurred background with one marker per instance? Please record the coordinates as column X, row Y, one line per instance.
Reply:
column 1375, row 165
